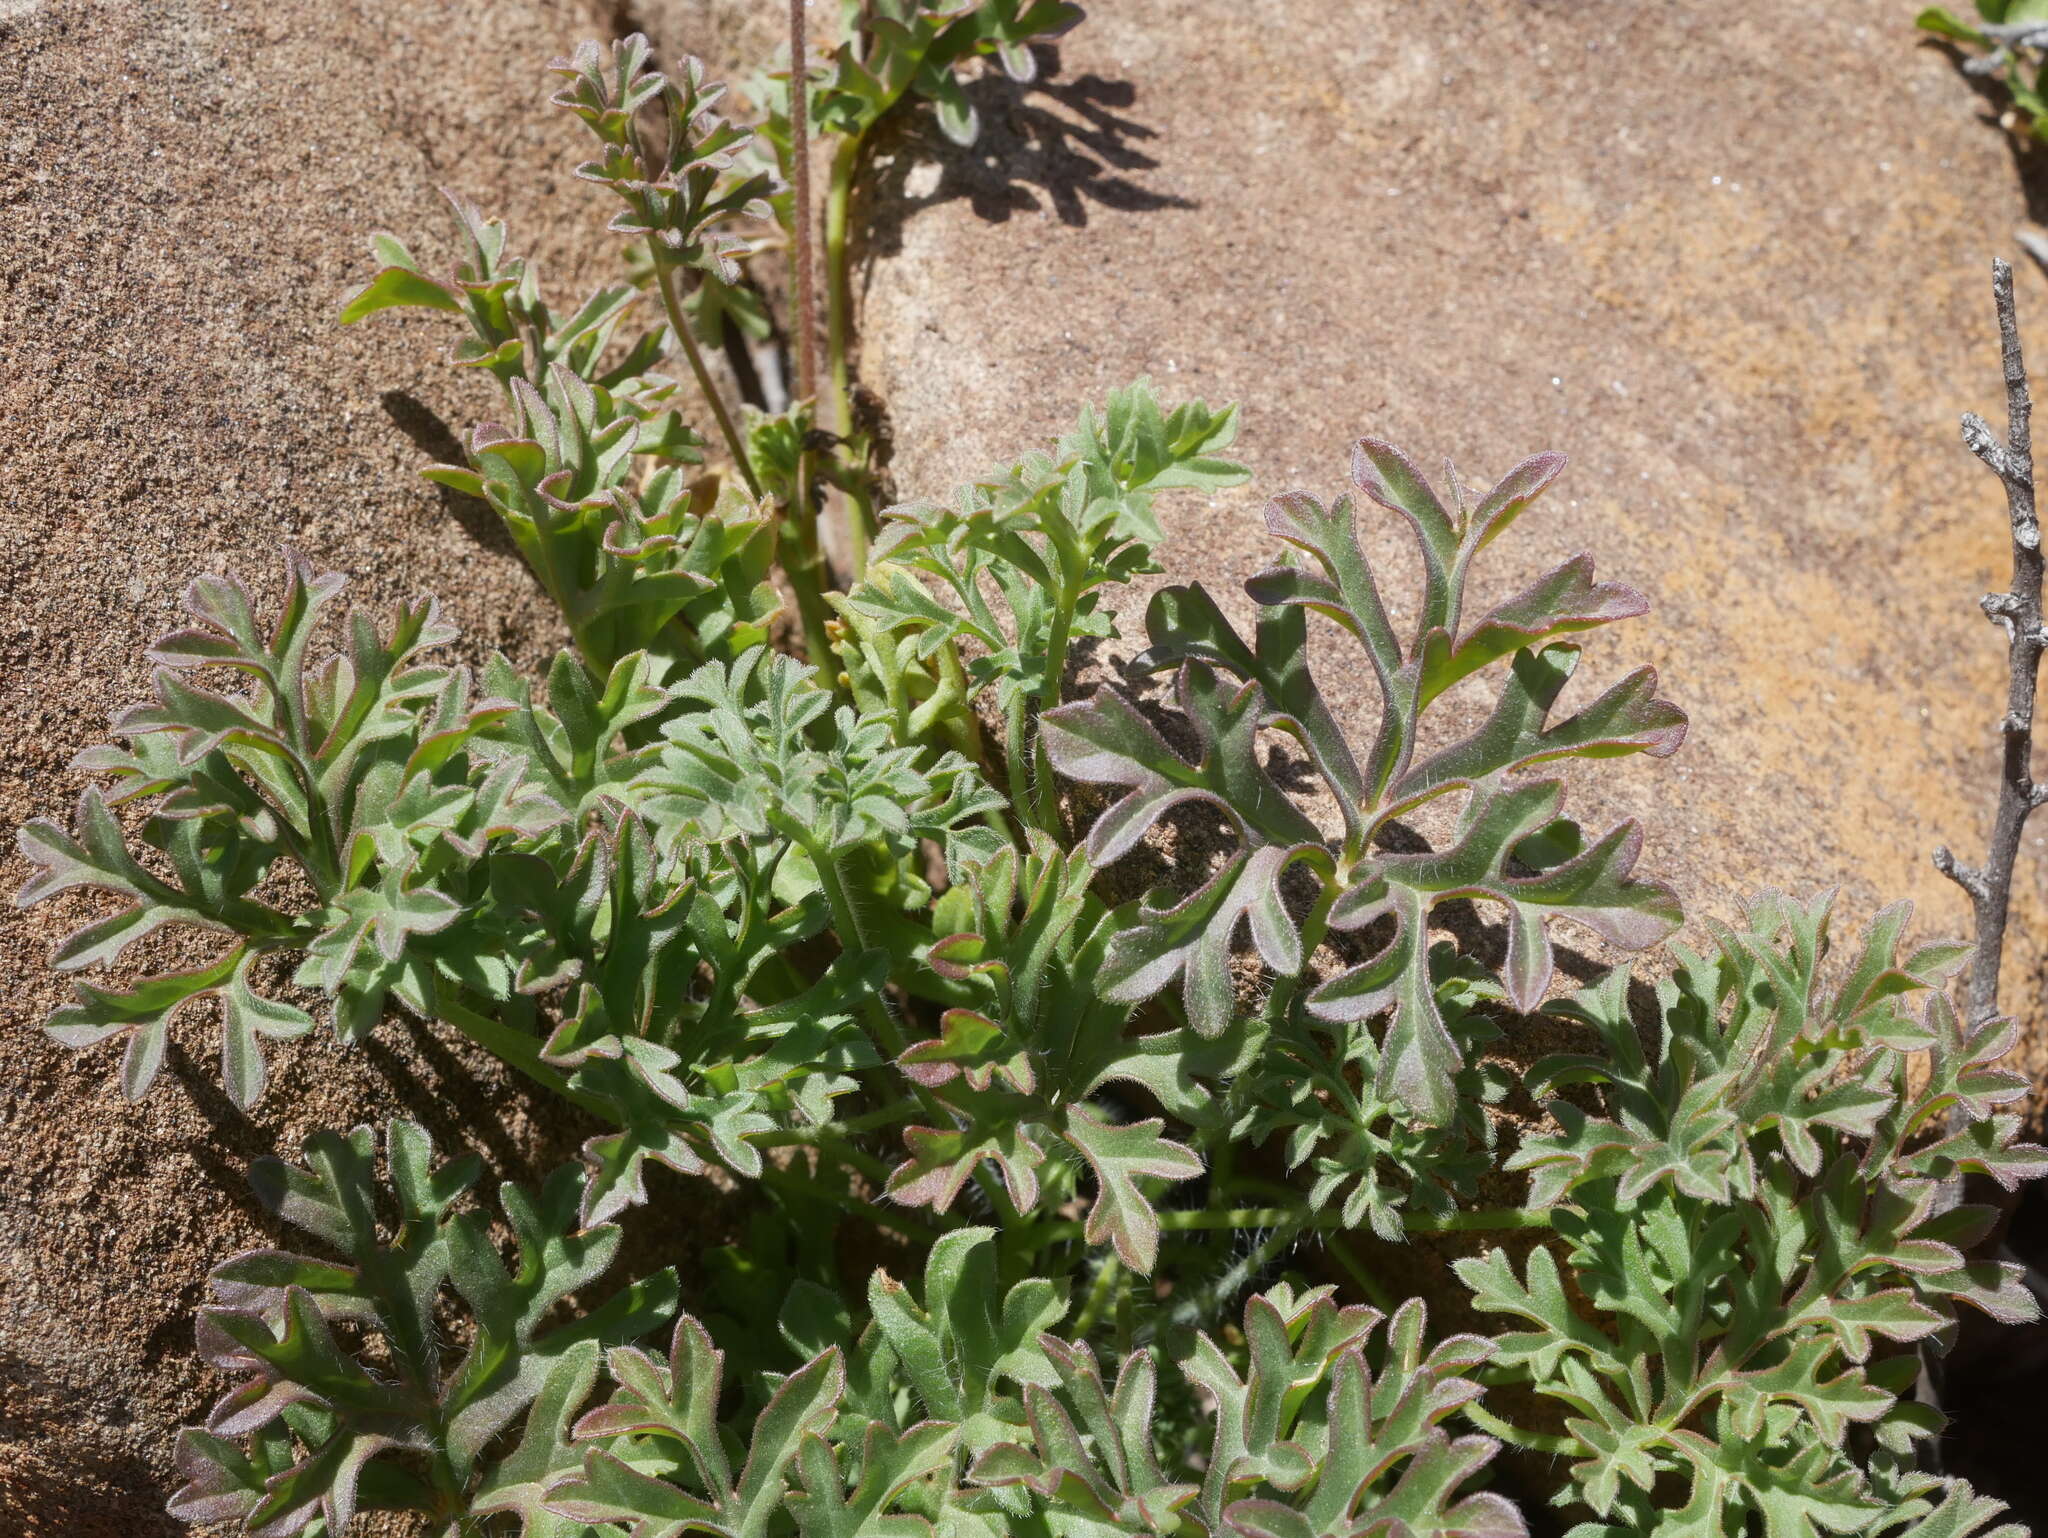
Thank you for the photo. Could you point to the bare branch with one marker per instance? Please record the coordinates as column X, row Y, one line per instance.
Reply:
column 1969, row 880
column 2018, row 613
column 2006, row 37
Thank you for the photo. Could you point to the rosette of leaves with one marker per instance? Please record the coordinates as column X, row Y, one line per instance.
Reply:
column 1017, row 566
column 1316, row 1089
column 962, row 1410
column 1751, row 1213
column 763, row 754
column 358, row 772
column 633, row 562
column 1511, row 846
column 685, row 200
column 1016, row 1061
column 350, row 1395
column 682, row 1019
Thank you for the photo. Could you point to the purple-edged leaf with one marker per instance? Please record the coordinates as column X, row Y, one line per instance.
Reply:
column 1561, row 601
column 1343, row 590
column 246, row 1019
column 143, row 1014
column 1092, row 1452
column 1417, row 1053
column 1105, row 741
column 942, row 1160
column 1191, row 939
column 1627, row 718
column 221, row 1483
column 1510, row 498
column 889, row 1463
column 518, row 1483
column 1184, row 622
column 972, row 1047
column 1511, row 847
column 1387, row 476
column 1119, row 1157
column 1894, row 1314
column 610, row 1490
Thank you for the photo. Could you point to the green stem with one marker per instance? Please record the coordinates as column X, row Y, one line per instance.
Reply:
column 804, row 574
column 1535, row 1441
column 1484, row 1220
column 860, row 524
column 838, row 281
column 882, row 1116
column 1016, row 769
column 1480, row 1220
column 1048, row 803
column 679, row 324
column 801, row 230
column 520, row 1050
column 1106, row 1276
column 846, row 920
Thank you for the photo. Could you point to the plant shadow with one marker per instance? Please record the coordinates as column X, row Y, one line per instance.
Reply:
column 2029, row 156
column 66, row 1467
column 433, row 437
column 1065, row 144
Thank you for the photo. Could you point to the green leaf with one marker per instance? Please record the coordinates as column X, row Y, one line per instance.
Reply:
column 1510, row 846
column 349, row 1358
column 398, row 288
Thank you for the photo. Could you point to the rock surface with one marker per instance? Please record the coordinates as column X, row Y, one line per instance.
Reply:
column 1733, row 262
column 186, row 194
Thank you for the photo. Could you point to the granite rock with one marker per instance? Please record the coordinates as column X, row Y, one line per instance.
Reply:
column 187, row 189
column 1733, row 261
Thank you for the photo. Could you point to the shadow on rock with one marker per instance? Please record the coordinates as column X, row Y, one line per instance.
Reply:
column 434, row 438
column 65, row 1468
column 1068, row 144
column 2029, row 156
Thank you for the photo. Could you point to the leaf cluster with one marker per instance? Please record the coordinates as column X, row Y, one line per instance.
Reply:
column 814, row 907
column 903, row 48
column 1750, row 1212
column 2014, row 38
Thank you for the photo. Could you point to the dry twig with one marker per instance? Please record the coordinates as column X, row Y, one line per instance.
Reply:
column 2018, row 612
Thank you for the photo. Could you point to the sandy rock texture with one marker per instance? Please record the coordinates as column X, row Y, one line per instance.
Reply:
column 186, row 193
column 1733, row 260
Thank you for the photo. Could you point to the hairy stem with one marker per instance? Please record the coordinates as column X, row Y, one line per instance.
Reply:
column 839, row 281
column 1099, row 1295
column 838, row 336
column 519, row 1049
column 800, row 192
column 806, row 573
column 1535, row 1441
column 1048, row 805
column 808, row 580
column 1481, row 1220
column 678, row 323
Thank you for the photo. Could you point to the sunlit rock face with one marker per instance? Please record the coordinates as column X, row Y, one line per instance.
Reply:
column 1743, row 285
column 188, row 191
